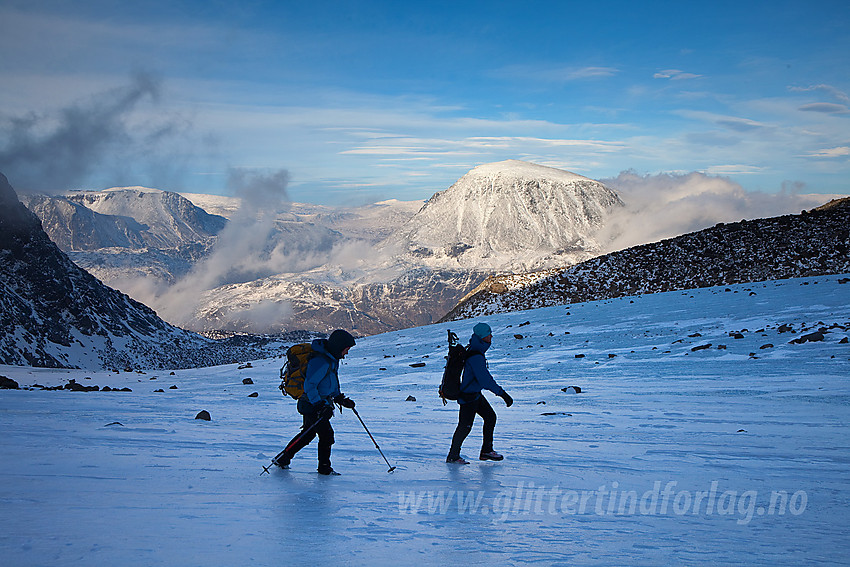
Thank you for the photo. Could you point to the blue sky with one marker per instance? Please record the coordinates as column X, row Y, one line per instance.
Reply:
column 361, row 101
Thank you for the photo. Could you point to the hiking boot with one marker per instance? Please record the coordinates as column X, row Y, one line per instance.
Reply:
column 457, row 460
column 328, row 471
column 490, row 456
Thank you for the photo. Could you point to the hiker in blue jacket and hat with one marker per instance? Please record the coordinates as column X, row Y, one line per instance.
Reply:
column 476, row 377
column 321, row 390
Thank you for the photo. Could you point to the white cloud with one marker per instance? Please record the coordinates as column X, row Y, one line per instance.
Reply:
column 839, row 151
column 667, row 205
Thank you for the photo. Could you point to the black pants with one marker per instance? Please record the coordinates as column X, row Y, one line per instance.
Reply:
column 466, row 417
column 320, row 421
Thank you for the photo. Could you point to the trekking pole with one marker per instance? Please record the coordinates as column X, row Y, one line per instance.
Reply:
column 392, row 468
column 294, row 441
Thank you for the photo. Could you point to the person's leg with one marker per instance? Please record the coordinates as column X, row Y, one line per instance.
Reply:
column 300, row 441
column 485, row 410
column 466, row 416
column 326, row 440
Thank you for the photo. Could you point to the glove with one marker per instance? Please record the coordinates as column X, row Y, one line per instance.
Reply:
column 324, row 408
column 344, row 401
column 509, row 401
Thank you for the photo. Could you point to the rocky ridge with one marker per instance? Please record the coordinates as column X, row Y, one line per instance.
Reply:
column 813, row 243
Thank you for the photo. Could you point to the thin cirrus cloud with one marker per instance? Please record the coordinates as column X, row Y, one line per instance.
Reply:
column 826, row 108
column 675, row 75
column 553, row 74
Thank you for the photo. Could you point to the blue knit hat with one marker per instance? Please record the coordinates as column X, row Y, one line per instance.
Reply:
column 482, row 330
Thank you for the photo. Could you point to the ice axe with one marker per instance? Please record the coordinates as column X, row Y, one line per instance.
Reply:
column 392, row 468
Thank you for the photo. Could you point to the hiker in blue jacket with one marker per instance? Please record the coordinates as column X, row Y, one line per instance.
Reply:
column 321, row 390
column 476, row 377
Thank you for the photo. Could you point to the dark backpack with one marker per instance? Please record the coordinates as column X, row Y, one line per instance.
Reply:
column 295, row 370
column 455, row 360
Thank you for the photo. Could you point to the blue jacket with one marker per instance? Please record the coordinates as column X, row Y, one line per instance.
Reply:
column 321, row 382
column 476, row 376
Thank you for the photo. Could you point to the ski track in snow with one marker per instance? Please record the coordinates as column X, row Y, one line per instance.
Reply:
column 161, row 488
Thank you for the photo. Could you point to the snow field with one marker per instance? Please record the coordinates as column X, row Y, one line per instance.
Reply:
column 668, row 455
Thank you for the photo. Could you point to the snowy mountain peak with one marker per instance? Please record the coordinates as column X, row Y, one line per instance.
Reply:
column 524, row 170
column 510, row 215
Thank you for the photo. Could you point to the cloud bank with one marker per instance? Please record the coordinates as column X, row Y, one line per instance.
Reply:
column 668, row 205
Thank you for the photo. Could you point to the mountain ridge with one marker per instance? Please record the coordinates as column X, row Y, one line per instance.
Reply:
column 55, row 314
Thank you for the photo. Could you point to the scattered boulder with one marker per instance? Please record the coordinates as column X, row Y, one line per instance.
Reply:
column 579, row 356
column 417, row 365
column 204, row 414
column 768, row 345
column 172, row 387
column 572, row 390
column 254, row 395
column 815, row 337
column 8, row 384
column 247, row 381
column 701, row 347
column 410, row 399
column 844, row 341
column 73, row 386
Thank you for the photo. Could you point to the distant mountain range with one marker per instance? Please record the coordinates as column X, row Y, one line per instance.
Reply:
column 371, row 269
column 813, row 243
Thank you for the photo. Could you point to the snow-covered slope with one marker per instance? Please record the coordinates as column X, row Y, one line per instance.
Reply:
column 168, row 219
column 706, row 432
column 508, row 216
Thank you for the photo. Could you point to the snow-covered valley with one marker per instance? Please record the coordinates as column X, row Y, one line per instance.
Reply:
column 706, row 431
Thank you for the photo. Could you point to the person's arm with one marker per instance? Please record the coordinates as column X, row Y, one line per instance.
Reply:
column 479, row 368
